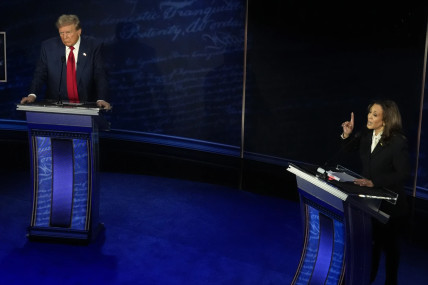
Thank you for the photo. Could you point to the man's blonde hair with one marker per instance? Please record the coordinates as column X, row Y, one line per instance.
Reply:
column 65, row 20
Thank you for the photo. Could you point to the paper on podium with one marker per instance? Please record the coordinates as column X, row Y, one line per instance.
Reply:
column 340, row 176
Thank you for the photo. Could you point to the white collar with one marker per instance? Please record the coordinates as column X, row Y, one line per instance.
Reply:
column 377, row 136
column 76, row 45
column 375, row 140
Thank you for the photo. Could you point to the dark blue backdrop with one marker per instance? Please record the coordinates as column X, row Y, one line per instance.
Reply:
column 176, row 68
column 3, row 57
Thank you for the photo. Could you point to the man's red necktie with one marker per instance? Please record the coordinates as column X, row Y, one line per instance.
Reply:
column 73, row 97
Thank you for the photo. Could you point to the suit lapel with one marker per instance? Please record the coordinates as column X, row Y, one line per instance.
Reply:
column 81, row 60
column 378, row 148
column 368, row 145
column 57, row 53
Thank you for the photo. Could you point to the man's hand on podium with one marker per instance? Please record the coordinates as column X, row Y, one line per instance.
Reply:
column 104, row 105
column 28, row 99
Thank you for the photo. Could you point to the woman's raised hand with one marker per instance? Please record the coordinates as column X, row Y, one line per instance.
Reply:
column 348, row 126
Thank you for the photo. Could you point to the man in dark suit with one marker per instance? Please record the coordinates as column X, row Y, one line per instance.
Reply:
column 75, row 58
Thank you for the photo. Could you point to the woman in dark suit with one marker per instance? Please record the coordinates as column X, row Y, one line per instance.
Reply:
column 385, row 163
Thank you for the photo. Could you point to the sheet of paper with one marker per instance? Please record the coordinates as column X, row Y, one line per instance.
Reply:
column 341, row 176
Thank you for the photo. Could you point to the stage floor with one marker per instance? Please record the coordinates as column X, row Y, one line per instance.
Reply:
column 170, row 231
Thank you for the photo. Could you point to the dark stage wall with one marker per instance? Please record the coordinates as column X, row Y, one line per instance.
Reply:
column 315, row 62
column 177, row 68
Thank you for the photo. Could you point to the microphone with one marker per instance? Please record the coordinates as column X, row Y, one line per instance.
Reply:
column 322, row 170
column 59, row 102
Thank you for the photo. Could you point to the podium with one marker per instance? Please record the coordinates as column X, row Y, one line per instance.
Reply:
column 63, row 143
column 337, row 218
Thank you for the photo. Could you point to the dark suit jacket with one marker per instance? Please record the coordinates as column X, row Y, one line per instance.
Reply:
column 91, row 77
column 387, row 166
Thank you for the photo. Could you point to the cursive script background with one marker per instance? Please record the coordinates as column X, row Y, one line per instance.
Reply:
column 175, row 67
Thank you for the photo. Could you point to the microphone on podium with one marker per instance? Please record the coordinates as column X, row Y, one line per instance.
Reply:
column 322, row 170
column 59, row 102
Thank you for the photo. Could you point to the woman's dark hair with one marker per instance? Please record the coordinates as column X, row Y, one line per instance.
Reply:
column 391, row 118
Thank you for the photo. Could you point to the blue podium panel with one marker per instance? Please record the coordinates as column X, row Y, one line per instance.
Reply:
column 62, row 182
column 64, row 155
column 323, row 256
column 62, row 172
column 337, row 231
column 81, row 185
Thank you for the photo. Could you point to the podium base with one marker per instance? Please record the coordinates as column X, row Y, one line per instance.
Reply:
column 63, row 235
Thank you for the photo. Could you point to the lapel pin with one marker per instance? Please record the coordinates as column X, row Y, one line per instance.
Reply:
column 84, row 54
